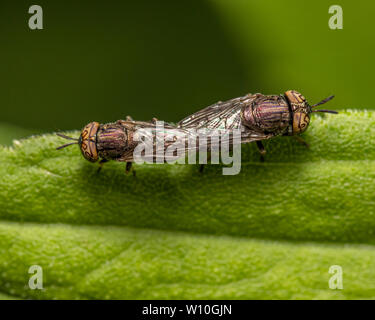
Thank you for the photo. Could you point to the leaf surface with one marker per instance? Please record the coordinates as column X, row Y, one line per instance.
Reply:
column 272, row 231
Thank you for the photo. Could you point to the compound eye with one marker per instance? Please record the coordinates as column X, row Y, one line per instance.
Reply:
column 300, row 122
column 88, row 142
column 296, row 100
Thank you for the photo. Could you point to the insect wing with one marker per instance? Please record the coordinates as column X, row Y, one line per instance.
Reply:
column 225, row 116
column 159, row 138
column 221, row 115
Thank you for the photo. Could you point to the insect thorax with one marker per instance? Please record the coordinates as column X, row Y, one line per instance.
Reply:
column 112, row 141
column 267, row 114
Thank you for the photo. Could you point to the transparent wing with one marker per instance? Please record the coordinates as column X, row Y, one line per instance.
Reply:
column 201, row 138
column 221, row 115
column 163, row 140
column 226, row 116
column 169, row 142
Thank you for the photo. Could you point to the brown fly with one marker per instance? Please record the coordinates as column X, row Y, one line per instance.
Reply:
column 117, row 141
column 258, row 116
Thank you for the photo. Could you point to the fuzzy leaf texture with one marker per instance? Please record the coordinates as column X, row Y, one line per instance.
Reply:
column 170, row 232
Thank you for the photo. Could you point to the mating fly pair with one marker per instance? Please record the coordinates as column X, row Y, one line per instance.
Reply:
column 258, row 116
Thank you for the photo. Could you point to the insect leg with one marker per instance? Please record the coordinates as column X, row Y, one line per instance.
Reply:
column 261, row 150
column 128, row 168
column 201, row 167
column 101, row 162
column 301, row 140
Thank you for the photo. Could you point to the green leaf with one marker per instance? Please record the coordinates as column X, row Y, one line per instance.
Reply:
column 272, row 231
column 7, row 297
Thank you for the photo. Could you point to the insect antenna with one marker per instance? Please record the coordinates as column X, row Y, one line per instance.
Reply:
column 68, row 138
column 327, row 111
column 66, row 145
column 323, row 102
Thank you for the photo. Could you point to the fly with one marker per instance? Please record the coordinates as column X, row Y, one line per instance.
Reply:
column 258, row 116
column 117, row 141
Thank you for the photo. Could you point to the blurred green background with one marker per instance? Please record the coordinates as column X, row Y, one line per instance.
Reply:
column 103, row 60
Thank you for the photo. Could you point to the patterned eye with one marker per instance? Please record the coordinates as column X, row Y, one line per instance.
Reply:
column 300, row 122
column 88, row 142
column 295, row 98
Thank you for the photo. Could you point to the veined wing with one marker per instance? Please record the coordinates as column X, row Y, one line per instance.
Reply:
column 221, row 115
column 171, row 142
column 225, row 116
column 165, row 140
